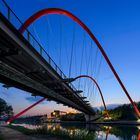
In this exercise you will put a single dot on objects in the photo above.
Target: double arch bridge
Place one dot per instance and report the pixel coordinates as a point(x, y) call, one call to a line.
point(25, 67)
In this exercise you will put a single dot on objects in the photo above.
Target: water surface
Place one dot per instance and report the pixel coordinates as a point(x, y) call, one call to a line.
point(91, 131)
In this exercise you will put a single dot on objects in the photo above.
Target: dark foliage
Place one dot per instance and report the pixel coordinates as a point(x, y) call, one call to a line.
point(73, 117)
point(5, 109)
point(124, 112)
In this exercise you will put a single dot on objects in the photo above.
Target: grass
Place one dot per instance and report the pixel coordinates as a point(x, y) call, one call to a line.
point(22, 129)
point(66, 135)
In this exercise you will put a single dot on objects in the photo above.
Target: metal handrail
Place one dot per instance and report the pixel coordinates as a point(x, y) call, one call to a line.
point(29, 37)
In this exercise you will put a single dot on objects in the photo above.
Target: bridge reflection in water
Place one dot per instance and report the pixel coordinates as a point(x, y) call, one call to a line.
point(88, 131)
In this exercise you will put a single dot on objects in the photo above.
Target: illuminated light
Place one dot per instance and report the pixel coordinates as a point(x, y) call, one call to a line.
point(138, 120)
point(54, 113)
point(138, 127)
point(7, 122)
point(106, 127)
point(75, 111)
point(107, 118)
point(54, 128)
point(99, 136)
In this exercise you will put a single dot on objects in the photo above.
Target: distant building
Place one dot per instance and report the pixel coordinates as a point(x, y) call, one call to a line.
point(57, 113)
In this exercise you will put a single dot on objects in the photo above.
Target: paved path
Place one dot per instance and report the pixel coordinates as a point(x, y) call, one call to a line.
point(10, 134)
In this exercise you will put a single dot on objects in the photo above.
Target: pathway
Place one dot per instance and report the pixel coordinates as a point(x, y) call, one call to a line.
point(10, 134)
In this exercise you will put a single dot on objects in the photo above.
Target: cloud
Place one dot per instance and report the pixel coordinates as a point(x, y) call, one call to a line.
point(34, 99)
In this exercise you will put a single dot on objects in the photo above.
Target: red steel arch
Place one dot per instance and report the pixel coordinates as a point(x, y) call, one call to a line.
point(48, 11)
point(25, 110)
point(99, 89)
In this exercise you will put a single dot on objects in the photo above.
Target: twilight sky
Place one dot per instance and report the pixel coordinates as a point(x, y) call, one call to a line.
point(116, 24)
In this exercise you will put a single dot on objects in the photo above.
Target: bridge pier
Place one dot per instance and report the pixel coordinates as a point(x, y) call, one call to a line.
point(90, 118)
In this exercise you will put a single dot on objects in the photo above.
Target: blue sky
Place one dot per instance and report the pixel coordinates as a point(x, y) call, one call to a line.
point(116, 24)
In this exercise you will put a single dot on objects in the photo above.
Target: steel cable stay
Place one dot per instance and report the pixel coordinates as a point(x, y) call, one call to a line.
point(71, 54)
point(87, 62)
point(66, 52)
point(75, 55)
point(81, 64)
point(89, 59)
point(67, 64)
point(97, 76)
point(94, 73)
point(93, 95)
point(99, 69)
point(94, 69)
point(85, 58)
point(48, 35)
point(88, 68)
point(90, 62)
point(49, 25)
point(36, 33)
point(60, 46)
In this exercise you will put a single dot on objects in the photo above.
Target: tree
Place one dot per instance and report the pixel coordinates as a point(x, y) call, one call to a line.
point(73, 117)
point(123, 112)
point(5, 109)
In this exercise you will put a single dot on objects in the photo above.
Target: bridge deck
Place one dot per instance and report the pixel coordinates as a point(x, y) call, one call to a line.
point(23, 67)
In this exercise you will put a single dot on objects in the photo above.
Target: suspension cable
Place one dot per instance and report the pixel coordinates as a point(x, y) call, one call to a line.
point(60, 50)
point(36, 34)
point(73, 40)
point(81, 60)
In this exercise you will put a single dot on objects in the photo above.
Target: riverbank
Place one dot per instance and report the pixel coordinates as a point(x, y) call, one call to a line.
point(42, 133)
point(55, 131)
point(103, 122)
point(12, 134)
point(133, 123)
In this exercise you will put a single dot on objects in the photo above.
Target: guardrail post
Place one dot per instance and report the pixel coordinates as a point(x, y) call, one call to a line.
point(28, 36)
point(8, 13)
point(49, 60)
point(56, 68)
point(41, 51)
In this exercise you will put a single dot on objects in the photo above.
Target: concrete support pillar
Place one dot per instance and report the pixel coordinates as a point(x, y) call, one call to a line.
point(90, 118)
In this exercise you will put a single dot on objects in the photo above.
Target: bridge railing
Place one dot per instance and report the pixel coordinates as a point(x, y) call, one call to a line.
point(16, 22)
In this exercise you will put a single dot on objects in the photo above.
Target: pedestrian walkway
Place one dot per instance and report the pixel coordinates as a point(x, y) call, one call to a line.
point(10, 134)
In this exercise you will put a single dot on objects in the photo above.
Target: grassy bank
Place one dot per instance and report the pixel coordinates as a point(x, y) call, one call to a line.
point(59, 134)
point(22, 129)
